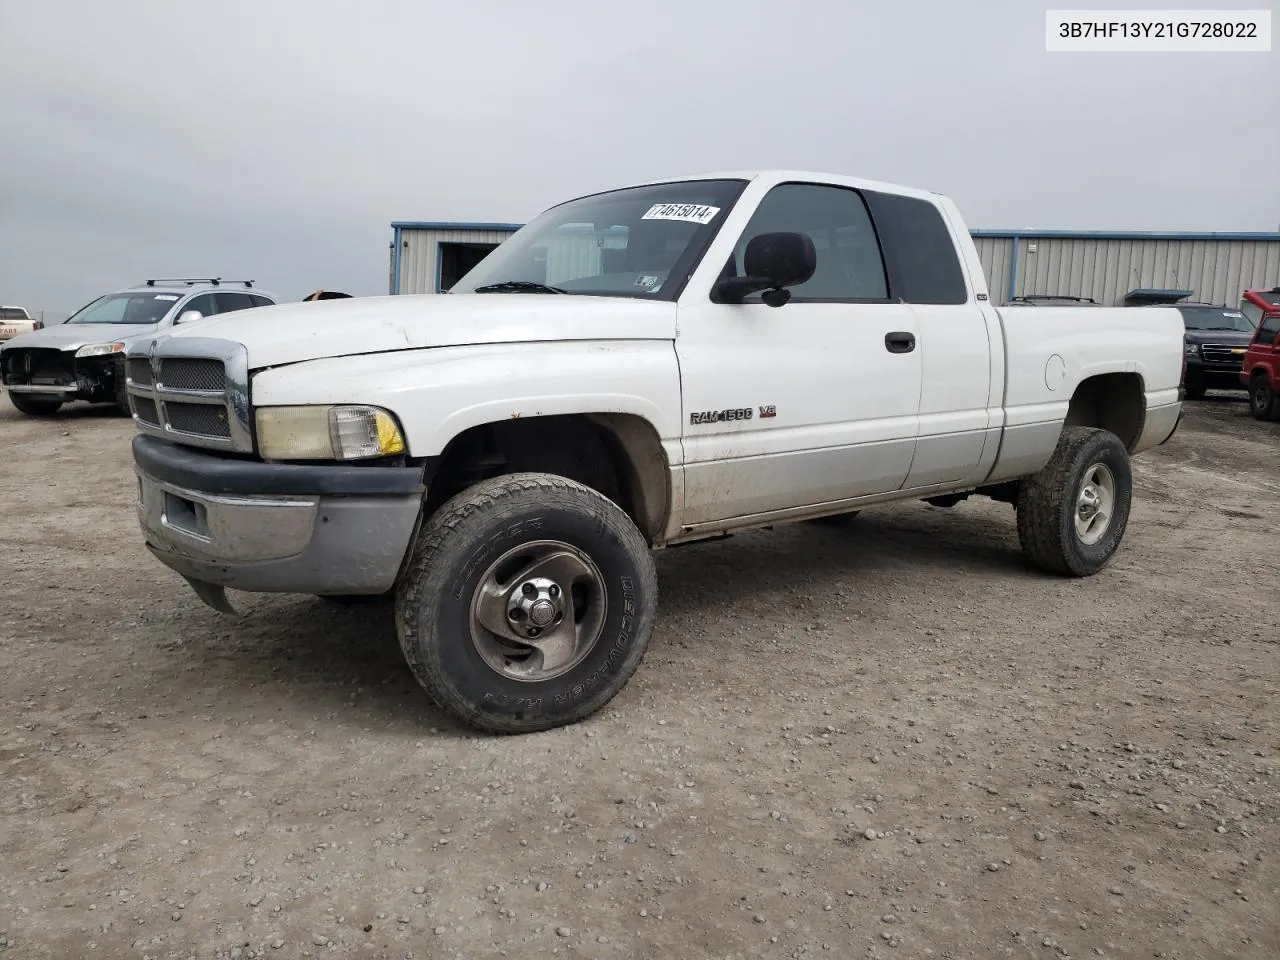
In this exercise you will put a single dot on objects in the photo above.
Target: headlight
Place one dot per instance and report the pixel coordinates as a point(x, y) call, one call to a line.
point(99, 349)
point(1192, 349)
point(327, 433)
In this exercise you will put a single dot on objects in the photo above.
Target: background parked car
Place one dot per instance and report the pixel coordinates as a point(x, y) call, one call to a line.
point(15, 321)
point(1261, 369)
point(1216, 339)
point(83, 359)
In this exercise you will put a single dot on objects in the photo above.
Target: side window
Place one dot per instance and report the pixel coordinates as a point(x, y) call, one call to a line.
point(231, 302)
point(261, 301)
point(1270, 329)
point(204, 303)
point(849, 265)
point(923, 265)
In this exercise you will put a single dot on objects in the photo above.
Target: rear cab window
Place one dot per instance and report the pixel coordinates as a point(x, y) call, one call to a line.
point(922, 261)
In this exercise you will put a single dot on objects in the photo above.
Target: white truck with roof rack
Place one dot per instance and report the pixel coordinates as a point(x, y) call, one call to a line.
point(83, 359)
point(745, 350)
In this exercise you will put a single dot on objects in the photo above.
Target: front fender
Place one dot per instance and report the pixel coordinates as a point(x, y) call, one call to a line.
point(437, 393)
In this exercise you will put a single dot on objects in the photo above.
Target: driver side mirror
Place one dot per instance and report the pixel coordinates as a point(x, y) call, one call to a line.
point(189, 316)
point(771, 263)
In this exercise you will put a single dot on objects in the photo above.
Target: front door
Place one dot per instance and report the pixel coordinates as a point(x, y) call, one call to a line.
point(811, 402)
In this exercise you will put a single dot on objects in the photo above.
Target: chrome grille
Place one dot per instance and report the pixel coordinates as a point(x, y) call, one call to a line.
point(145, 410)
point(191, 390)
point(183, 373)
point(198, 418)
point(140, 372)
point(1222, 353)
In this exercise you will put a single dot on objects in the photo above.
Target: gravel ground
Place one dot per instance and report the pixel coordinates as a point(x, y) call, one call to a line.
point(891, 740)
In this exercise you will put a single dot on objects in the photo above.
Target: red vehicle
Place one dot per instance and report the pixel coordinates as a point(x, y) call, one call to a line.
point(1261, 369)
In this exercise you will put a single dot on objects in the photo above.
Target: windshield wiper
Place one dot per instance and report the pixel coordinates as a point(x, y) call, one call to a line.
point(517, 286)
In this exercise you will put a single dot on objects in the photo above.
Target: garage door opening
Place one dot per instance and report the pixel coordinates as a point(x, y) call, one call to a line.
point(456, 259)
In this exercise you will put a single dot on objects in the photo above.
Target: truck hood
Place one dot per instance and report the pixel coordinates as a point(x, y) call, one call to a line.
point(73, 336)
point(294, 332)
point(1230, 338)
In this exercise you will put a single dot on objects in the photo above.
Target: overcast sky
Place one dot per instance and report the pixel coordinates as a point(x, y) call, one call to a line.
point(278, 140)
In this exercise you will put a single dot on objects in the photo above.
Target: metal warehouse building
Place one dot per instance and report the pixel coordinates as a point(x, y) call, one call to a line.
point(1104, 266)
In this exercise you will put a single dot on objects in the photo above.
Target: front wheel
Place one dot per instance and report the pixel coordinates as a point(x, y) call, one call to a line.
point(1194, 392)
point(35, 405)
point(527, 604)
point(1264, 403)
point(1072, 515)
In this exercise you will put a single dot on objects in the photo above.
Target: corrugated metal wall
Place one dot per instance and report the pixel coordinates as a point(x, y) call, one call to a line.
point(994, 252)
point(418, 254)
point(1215, 270)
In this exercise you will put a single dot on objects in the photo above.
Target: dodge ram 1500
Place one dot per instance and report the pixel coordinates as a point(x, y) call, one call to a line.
point(633, 370)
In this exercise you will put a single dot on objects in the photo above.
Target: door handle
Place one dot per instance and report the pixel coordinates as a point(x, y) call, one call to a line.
point(900, 342)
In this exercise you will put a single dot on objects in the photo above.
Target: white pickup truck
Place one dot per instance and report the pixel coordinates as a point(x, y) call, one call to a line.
point(632, 370)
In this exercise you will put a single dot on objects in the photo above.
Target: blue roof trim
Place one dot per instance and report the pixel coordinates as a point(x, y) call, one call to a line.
point(446, 225)
point(1124, 235)
point(1003, 234)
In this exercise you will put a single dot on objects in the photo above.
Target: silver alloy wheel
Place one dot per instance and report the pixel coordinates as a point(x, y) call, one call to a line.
point(1095, 504)
point(538, 611)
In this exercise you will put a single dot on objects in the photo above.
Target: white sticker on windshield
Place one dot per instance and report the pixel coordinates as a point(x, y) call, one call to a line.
point(684, 212)
point(167, 296)
point(1232, 313)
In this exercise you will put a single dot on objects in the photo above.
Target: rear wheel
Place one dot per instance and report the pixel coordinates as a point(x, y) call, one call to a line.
point(34, 404)
point(528, 603)
point(1264, 403)
point(1072, 515)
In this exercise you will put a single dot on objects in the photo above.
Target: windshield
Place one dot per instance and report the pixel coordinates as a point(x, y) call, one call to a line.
point(1216, 318)
point(640, 242)
point(127, 308)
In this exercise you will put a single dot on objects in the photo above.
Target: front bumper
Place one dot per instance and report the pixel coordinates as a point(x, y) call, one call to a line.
point(51, 372)
point(1213, 376)
point(274, 528)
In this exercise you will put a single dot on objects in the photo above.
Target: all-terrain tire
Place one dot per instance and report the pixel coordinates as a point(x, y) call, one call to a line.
point(1264, 403)
point(1049, 503)
point(34, 405)
point(456, 550)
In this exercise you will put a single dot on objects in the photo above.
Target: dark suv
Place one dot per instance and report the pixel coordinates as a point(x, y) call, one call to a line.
point(1216, 339)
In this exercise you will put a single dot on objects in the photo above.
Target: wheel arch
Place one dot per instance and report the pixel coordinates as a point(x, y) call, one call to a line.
point(619, 455)
point(1116, 402)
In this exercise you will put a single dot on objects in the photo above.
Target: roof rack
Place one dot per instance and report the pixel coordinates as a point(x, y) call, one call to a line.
point(1032, 297)
point(192, 281)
